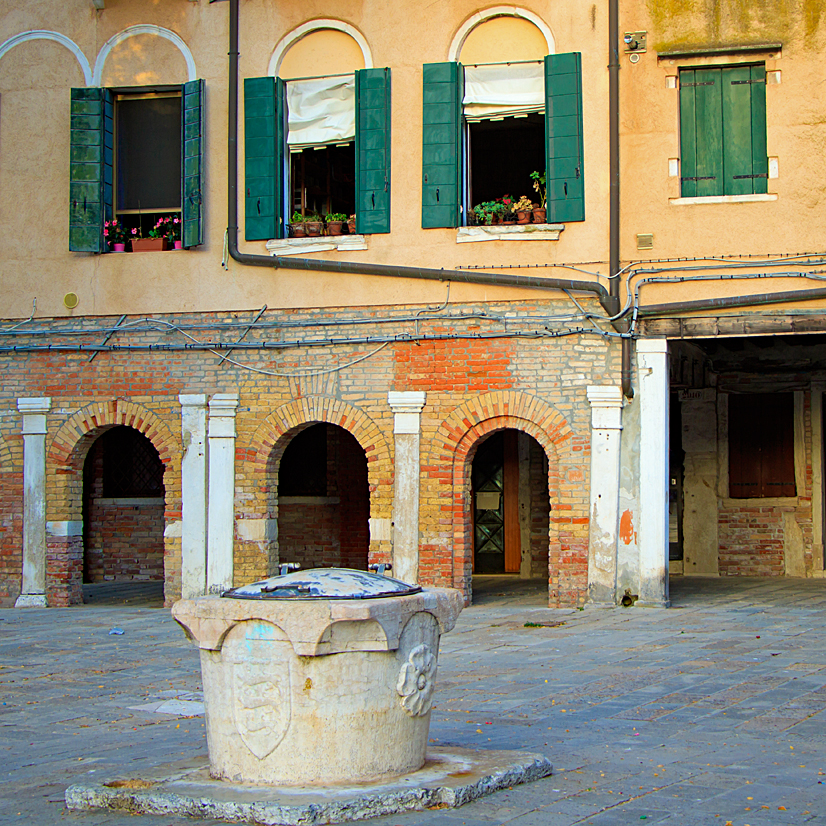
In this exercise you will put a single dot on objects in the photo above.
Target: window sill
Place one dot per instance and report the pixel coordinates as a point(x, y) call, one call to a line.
point(323, 243)
point(768, 502)
point(510, 232)
point(722, 199)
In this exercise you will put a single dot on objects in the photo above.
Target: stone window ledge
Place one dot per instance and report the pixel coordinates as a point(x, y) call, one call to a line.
point(722, 199)
point(756, 502)
point(510, 232)
point(322, 243)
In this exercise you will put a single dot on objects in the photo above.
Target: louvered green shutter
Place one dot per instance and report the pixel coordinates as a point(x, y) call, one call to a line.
point(90, 169)
point(441, 144)
point(265, 135)
point(192, 166)
point(564, 170)
point(701, 133)
point(745, 161)
point(373, 150)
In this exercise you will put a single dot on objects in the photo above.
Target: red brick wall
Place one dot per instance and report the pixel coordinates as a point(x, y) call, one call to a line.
point(540, 509)
point(11, 535)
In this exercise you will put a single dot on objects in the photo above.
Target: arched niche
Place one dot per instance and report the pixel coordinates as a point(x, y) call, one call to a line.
point(502, 34)
point(144, 60)
point(320, 48)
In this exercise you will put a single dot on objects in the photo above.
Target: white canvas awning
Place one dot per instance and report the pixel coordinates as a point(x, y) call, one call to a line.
point(321, 111)
point(503, 90)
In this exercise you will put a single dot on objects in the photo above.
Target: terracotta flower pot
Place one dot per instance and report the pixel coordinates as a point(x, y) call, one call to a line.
point(149, 244)
point(539, 215)
point(335, 227)
point(297, 230)
point(313, 227)
point(523, 216)
point(351, 227)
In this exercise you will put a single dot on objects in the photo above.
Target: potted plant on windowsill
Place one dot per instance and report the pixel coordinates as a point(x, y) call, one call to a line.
point(523, 209)
point(170, 226)
point(506, 214)
point(115, 235)
point(156, 242)
point(335, 223)
point(351, 224)
point(313, 224)
point(297, 229)
point(539, 211)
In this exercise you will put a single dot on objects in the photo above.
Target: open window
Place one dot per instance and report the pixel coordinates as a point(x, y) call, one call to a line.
point(136, 154)
point(317, 146)
point(487, 127)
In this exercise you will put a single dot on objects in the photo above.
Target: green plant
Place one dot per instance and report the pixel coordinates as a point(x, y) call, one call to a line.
point(524, 204)
point(538, 179)
point(335, 216)
point(297, 218)
point(114, 232)
point(167, 226)
point(312, 218)
point(485, 211)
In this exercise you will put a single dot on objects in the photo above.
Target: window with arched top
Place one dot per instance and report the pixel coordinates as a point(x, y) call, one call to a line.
point(317, 139)
point(501, 121)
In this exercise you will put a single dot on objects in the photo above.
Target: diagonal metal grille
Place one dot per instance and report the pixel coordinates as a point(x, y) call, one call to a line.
point(131, 465)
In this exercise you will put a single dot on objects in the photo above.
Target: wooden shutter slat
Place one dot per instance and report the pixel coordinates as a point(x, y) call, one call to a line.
point(441, 144)
point(564, 154)
point(192, 149)
point(90, 168)
point(373, 116)
point(760, 158)
point(737, 131)
point(708, 108)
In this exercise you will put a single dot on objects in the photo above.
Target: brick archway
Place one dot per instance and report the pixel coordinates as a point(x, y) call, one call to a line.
point(448, 467)
point(6, 457)
point(260, 459)
point(64, 480)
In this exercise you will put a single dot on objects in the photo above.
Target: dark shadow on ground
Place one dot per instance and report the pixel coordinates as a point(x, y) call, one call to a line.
point(136, 594)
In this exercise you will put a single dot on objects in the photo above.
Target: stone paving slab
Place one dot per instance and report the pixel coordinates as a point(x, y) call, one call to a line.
point(738, 719)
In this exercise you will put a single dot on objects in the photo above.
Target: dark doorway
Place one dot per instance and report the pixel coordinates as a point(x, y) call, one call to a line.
point(324, 500)
point(511, 509)
point(123, 509)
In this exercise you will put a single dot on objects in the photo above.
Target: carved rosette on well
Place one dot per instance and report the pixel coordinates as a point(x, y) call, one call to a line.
point(416, 681)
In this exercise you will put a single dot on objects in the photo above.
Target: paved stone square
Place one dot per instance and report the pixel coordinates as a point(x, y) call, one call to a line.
point(711, 712)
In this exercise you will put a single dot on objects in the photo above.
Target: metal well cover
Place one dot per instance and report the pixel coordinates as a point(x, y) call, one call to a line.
point(324, 583)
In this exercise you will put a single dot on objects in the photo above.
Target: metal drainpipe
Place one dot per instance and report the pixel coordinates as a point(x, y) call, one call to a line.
point(608, 302)
point(614, 190)
point(726, 302)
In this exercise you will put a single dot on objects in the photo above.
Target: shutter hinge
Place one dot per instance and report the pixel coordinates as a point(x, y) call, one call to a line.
point(702, 83)
point(744, 82)
point(701, 178)
point(758, 175)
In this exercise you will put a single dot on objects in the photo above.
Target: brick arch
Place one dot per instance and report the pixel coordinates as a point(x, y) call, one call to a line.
point(66, 456)
point(260, 459)
point(449, 466)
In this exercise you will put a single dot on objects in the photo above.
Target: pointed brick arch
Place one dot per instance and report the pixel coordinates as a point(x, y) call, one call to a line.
point(448, 467)
point(259, 459)
point(64, 490)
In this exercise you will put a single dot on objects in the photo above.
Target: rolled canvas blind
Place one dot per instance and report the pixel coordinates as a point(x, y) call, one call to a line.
point(503, 90)
point(321, 111)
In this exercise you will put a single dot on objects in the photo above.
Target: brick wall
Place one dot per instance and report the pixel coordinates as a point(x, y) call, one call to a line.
point(474, 386)
point(540, 509)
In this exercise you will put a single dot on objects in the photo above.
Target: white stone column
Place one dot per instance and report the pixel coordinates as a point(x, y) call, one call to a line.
point(407, 409)
point(652, 533)
point(221, 492)
point(606, 426)
point(33, 590)
point(193, 495)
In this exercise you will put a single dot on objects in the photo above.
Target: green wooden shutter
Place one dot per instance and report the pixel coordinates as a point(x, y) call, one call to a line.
point(441, 145)
point(745, 161)
point(265, 136)
point(90, 169)
point(701, 132)
point(192, 166)
point(373, 150)
point(564, 170)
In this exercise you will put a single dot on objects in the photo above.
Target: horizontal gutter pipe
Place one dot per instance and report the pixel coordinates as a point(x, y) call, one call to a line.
point(728, 302)
point(609, 303)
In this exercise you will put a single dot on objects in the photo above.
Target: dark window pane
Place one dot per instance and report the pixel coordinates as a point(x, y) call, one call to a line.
point(131, 464)
point(149, 153)
point(303, 469)
point(324, 180)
